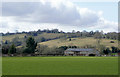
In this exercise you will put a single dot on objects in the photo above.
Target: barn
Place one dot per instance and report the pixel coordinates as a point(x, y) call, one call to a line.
point(81, 52)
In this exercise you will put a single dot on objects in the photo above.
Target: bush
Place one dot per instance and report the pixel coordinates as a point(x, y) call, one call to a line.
point(27, 50)
point(91, 54)
point(112, 42)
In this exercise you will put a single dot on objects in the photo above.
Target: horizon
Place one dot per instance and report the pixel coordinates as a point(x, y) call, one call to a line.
point(16, 31)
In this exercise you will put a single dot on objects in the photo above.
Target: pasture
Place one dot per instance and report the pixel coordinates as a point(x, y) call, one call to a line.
point(79, 42)
point(65, 65)
point(45, 35)
point(11, 37)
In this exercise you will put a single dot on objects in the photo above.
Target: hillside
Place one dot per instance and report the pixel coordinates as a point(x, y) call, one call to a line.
point(45, 35)
point(49, 43)
point(11, 37)
point(62, 41)
point(79, 42)
point(58, 39)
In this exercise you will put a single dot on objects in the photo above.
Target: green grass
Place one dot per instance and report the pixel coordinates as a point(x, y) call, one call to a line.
point(60, 65)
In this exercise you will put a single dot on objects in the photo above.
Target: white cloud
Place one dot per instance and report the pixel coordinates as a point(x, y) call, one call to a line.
point(55, 14)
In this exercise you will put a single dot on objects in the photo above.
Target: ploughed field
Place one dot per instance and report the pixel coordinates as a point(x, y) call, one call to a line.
point(60, 65)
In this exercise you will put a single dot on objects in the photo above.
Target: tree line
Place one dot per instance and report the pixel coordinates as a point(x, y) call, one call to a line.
point(84, 33)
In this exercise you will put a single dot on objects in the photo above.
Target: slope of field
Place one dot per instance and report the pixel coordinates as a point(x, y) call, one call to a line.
point(79, 42)
point(62, 41)
point(45, 35)
point(10, 37)
point(60, 65)
point(50, 35)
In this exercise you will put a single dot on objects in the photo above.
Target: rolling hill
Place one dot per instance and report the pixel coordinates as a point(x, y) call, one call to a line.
point(62, 41)
point(79, 42)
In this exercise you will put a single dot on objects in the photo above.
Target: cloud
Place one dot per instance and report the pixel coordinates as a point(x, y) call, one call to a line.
point(62, 12)
point(58, 14)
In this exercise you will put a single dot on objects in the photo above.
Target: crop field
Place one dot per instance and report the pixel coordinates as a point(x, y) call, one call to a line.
point(60, 65)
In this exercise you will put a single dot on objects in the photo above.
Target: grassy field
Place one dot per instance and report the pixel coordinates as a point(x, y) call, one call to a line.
point(11, 37)
point(79, 42)
point(45, 35)
point(60, 65)
point(50, 35)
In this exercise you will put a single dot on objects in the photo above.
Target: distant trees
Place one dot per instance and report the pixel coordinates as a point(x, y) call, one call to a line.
point(45, 50)
point(43, 39)
point(41, 49)
point(112, 35)
point(12, 49)
point(30, 46)
point(6, 42)
point(84, 33)
point(112, 42)
point(98, 35)
point(114, 49)
point(63, 47)
point(69, 39)
point(9, 49)
point(106, 51)
point(5, 49)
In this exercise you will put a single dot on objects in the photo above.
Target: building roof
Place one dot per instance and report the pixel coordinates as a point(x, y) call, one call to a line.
point(80, 49)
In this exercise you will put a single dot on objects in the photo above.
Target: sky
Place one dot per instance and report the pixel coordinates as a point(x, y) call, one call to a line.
point(64, 15)
point(109, 8)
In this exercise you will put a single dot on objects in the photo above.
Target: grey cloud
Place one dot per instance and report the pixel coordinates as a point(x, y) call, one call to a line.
point(37, 12)
point(18, 8)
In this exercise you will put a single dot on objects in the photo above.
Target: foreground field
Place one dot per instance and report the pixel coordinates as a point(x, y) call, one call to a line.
point(60, 65)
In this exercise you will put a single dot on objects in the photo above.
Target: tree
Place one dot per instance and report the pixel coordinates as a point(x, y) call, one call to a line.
point(91, 33)
point(12, 49)
point(6, 42)
point(98, 35)
point(41, 48)
point(106, 51)
point(63, 47)
point(5, 49)
point(73, 31)
point(30, 45)
point(43, 39)
point(100, 47)
point(114, 49)
point(69, 39)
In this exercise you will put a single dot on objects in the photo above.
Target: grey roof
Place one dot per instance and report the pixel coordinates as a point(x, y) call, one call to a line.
point(80, 49)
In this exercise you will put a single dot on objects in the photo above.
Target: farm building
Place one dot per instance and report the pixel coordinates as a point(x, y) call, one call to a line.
point(81, 52)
